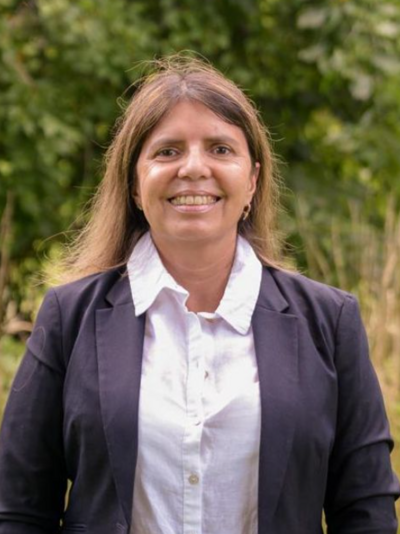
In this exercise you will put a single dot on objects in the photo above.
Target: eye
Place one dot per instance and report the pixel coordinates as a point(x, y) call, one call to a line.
point(222, 150)
point(167, 152)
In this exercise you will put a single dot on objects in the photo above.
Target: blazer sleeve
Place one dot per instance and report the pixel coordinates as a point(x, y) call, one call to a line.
point(32, 466)
point(361, 487)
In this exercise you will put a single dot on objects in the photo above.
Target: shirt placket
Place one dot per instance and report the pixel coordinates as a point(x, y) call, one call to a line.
point(192, 513)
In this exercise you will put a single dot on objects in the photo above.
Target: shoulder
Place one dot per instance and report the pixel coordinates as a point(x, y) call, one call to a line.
point(65, 311)
point(326, 316)
point(76, 302)
point(321, 307)
point(299, 288)
point(89, 290)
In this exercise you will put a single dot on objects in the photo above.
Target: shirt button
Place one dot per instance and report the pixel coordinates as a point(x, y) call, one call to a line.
point(193, 479)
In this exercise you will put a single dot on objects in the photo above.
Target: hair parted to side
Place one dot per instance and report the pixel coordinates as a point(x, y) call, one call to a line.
point(115, 223)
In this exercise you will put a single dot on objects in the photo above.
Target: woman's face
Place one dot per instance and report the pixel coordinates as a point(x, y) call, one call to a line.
point(194, 176)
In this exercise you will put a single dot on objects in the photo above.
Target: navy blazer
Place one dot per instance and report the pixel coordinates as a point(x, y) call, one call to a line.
point(73, 414)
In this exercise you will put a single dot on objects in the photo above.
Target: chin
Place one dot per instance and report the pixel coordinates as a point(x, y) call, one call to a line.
point(198, 235)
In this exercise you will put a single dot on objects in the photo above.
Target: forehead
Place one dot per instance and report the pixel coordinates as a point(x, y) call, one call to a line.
point(194, 119)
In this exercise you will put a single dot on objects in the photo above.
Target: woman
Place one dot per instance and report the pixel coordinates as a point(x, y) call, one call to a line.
point(185, 382)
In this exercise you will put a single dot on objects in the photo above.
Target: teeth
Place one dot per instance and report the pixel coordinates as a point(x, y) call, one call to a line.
point(191, 200)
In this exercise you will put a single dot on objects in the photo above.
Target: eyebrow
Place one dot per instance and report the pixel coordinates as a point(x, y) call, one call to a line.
point(164, 141)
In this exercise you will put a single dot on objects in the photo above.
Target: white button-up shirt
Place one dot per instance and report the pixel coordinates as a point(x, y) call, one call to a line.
point(199, 409)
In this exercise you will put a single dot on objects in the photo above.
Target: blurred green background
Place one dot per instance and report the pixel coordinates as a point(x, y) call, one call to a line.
point(325, 76)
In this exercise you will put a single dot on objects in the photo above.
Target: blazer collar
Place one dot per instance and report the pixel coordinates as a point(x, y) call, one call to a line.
point(120, 292)
point(271, 297)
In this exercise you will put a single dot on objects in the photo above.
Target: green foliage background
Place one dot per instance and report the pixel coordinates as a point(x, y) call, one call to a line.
point(324, 74)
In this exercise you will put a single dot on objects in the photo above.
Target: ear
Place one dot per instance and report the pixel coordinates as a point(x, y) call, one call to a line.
point(138, 204)
point(255, 171)
point(136, 195)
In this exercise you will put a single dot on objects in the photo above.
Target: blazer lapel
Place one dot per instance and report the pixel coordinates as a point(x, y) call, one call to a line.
point(275, 338)
point(119, 339)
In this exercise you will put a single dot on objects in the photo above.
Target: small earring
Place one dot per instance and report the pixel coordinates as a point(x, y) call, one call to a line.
point(246, 212)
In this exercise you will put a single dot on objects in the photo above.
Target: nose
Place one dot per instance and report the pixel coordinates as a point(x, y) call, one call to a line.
point(194, 165)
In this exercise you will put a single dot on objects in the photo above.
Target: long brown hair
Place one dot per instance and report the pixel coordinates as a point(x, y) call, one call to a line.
point(115, 223)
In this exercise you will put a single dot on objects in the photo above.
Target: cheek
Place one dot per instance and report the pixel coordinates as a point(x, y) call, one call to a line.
point(151, 194)
point(152, 180)
point(144, 176)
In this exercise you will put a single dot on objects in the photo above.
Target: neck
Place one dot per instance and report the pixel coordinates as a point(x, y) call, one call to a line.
point(203, 269)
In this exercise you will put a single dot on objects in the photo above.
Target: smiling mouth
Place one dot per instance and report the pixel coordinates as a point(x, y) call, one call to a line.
point(194, 200)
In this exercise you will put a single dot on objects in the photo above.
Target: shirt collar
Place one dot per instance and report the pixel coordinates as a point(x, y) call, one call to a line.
point(148, 277)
